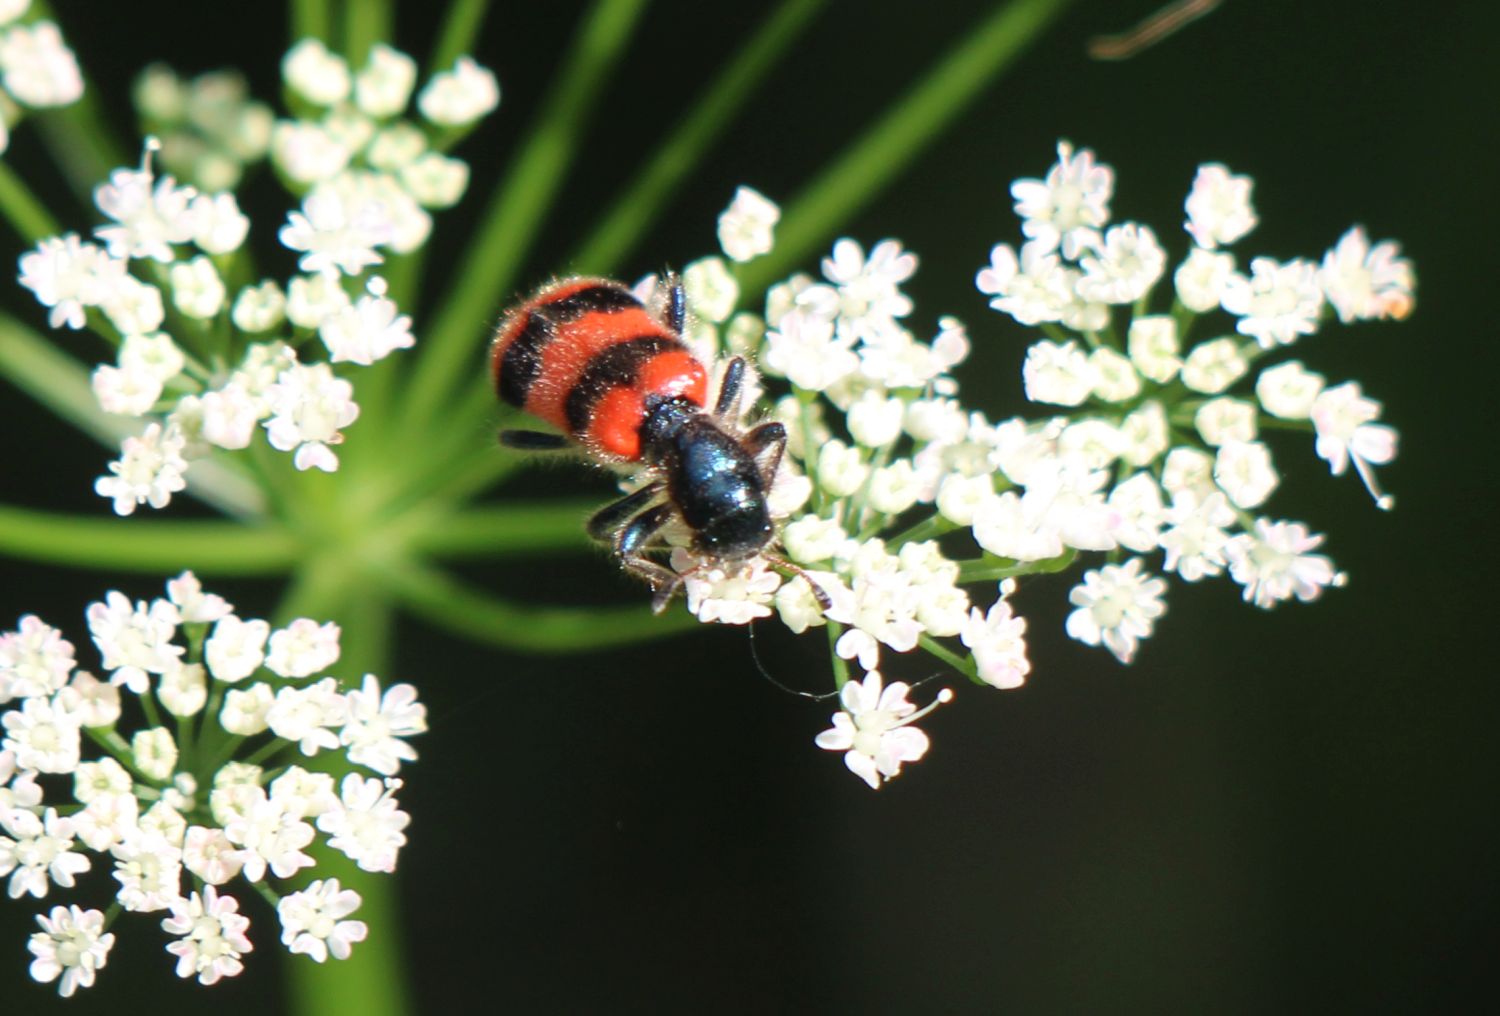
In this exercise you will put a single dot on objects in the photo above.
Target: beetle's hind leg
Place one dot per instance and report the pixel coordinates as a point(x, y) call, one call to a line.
point(604, 522)
point(533, 440)
point(631, 543)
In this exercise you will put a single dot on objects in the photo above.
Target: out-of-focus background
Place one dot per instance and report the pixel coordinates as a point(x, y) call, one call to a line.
point(1267, 812)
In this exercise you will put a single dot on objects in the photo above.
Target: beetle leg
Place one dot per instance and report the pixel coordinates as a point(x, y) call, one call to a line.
point(604, 522)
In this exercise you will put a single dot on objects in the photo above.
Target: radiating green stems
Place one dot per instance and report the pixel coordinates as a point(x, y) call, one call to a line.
point(155, 546)
point(508, 225)
point(869, 164)
point(366, 22)
point(26, 215)
point(459, 31)
point(627, 219)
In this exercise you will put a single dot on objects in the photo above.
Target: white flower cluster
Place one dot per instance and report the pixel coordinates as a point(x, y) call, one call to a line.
point(180, 807)
point(207, 362)
point(896, 496)
point(37, 69)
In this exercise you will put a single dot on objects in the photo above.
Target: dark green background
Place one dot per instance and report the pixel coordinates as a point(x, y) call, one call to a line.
point(1266, 813)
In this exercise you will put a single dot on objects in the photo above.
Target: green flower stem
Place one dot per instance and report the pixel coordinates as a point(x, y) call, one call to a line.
point(515, 528)
point(1267, 422)
point(622, 226)
point(444, 601)
point(873, 161)
point(366, 22)
point(61, 384)
point(515, 212)
point(459, 30)
point(110, 740)
point(992, 568)
point(146, 545)
point(963, 664)
point(21, 208)
point(310, 19)
point(840, 665)
point(79, 137)
point(928, 529)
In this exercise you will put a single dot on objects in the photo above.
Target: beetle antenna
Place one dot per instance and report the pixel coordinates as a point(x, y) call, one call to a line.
point(755, 655)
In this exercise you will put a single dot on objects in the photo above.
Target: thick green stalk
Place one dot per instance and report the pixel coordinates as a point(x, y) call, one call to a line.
point(873, 161)
point(366, 22)
point(310, 19)
point(21, 208)
point(622, 226)
point(509, 224)
point(444, 601)
point(458, 33)
point(60, 383)
point(508, 530)
point(145, 545)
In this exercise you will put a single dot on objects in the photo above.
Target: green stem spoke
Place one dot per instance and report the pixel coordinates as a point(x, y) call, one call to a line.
point(963, 664)
point(517, 209)
point(512, 529)
point(366, 22)
point(22, 209)
point(459, 30)
point(992, 568)
point(873, 161)
point(145, 545)
point(622, 226)
point(311, 19)
point(448, 603)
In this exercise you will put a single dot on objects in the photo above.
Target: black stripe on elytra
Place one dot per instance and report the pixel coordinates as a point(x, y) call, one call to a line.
point(613, 367)
point(522, 361)
point(588, 301)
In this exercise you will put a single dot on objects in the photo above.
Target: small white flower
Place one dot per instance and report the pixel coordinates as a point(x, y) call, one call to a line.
point(384, 86)
point(92, 702)
point(1118, 606)
point(209, 854)
point(869, 295)
point(107, 820)
point(1058, 373)
point(1201, 277)
point(1223, 420)
point(34, 660)
point(377, 724)
point(151, 214)
point(245, 711)
point(746, 227)
point(369, 330)
point(1068, 208)
point(309, 407)
point(220, 227)
point(810, 539)
point(236, 648)
point(1188, 469)
point(212, 936)
point(1346, 433)
point(193, 604)
point(313, 921)
point(1138, 508)
point(134, 640)
point(435, 180)
point(133, 306)
point(874, 420)
point(259, 308)
point(197, 290)
point(68, 275)
point(1144, 435)
point(148, 471)
point(1244, 471)
point(319, 76)
point(1277, 303)
point(1032, 288)
point(312, 299)
point(1218, 207)
point(36, 852)
point(874, 728)
point(336, 234)
point(734, 595)
point(997, 639)
point(1274, 564)
point(94, 779)
point(43, 735)
point(894, 488)
point(805, 349)
point(1213, 366)
point(270, 833)
point(310, 716)
point(841, 471)
point(959, 496)
point(149, 870)
point(127, 391)
point(306, 152)
point(1094, 443)
point(1124, 268)
point(1196, 535)
point(39, 68)
point(154, 753)
point(368, 825)
point(72, 946)
point(303, 648)
point(460, 96)
point(1115, 377)
point(183, 690)
point(1152, 343)
point(711, 289)
point(1363, 283)
point(1288, 390)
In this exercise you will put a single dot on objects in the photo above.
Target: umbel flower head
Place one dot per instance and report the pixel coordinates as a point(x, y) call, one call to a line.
point(177, 771)
point(206, 363)
point(1154, 383)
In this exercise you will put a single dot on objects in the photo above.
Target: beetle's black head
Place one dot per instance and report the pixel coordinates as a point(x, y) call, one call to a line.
point(739, 533)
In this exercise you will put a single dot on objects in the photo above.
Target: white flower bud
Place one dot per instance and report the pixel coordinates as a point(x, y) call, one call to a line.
point(1224, 420)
